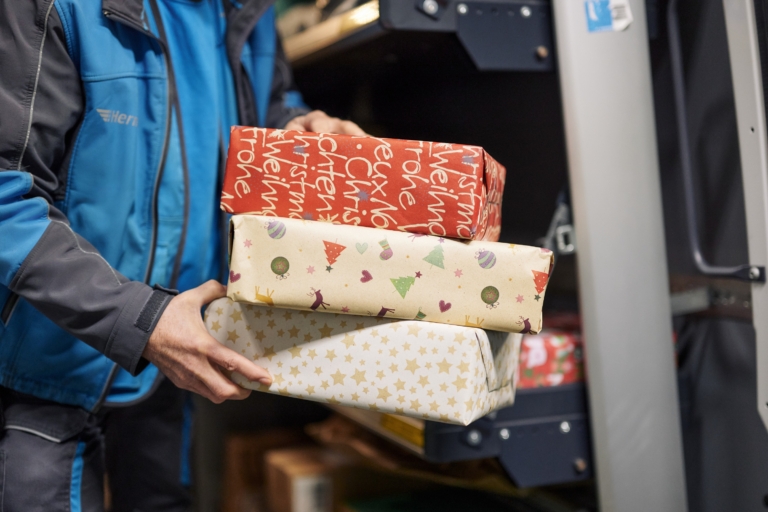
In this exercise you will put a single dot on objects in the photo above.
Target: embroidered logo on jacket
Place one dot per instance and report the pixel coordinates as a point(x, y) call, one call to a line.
point(115, 116)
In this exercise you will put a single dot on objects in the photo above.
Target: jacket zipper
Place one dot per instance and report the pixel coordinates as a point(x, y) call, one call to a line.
point(166, 140)
point(182, 144)
point(158, 176)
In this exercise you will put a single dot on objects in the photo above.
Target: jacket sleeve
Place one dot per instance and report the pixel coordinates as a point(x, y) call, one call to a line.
point(41, 258)
point(285, 101)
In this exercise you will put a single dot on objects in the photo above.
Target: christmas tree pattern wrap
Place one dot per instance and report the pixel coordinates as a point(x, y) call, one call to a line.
point(435, 256)
point(403, 284)
point(450, 190)
point(445, 373)
point(332, 251)
point(480, 284)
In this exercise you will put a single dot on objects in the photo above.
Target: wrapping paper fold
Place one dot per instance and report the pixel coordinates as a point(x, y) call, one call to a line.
point(440, 372)
point(449, 190)
point(363, 271)
point(550, 358)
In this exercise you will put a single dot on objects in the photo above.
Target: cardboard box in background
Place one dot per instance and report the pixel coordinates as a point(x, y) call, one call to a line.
point(314, 479)
point(449, 190)
point(371, 450)
point(404, 482)
point(243, 486)
point(299, 480)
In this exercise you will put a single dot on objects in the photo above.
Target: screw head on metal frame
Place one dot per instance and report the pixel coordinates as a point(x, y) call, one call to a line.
point(462, 9)
point(580, 465)
point(754, 273)
point(565, 427)
point(504, 434)
point(430, 6)
point(525, 11)
point(474, 437)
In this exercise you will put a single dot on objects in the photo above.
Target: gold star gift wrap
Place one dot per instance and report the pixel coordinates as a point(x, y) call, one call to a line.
point(318, 266)
point(445, 373)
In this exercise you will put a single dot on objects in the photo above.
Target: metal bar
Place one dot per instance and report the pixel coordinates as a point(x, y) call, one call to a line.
point(745, 272)
point(605, 80)
point(334, 30)
point(750, 116)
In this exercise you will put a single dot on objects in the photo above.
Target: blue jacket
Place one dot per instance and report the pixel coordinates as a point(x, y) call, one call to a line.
point(91, 149)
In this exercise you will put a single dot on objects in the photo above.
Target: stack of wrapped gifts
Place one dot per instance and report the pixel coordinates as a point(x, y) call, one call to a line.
point(365, 272)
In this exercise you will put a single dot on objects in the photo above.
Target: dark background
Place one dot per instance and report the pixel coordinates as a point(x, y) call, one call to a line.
point(423, 86)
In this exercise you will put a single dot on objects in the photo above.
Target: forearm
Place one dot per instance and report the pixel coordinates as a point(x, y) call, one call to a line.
point(67, 280)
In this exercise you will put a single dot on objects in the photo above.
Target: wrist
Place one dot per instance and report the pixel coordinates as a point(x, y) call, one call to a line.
point(150, 317)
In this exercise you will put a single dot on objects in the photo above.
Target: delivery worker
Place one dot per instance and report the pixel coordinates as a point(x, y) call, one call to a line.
point(114, 119)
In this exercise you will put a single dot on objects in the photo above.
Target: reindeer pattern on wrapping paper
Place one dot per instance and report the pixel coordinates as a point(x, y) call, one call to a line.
point(526, 323)
point(267, 299)
point(383, 312)
point(318, 300)
point(477, 323)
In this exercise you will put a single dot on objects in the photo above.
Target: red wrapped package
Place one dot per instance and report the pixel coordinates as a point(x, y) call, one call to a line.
point(448, 190)
point(550, 358)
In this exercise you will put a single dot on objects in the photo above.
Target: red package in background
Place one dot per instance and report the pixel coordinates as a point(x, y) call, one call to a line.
point(550, 358)
point(449, 190)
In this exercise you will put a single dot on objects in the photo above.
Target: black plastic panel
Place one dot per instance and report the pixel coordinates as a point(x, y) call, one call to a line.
point(508, 36)
point(543, 439)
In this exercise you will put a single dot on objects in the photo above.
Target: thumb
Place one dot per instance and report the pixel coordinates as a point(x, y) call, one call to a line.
point(208, 292)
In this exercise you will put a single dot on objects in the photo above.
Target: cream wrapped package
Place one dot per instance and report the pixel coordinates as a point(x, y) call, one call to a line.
point(446, 373)
point(317, 266)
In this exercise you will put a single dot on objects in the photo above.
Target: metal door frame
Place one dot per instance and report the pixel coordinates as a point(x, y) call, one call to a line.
point(744, 52)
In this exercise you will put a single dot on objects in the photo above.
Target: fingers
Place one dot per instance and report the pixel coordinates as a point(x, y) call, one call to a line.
point(231, 361)
point(296, 123)
point(183, 350)
point(351, 128)
point(218, 388)
point(208, 292)
point(315, 115)
point(318, 121)
point(322, 126)
point(207, 382)
point(215, 387)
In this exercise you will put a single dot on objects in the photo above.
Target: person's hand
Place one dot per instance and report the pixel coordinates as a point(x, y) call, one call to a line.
point(319, 122)
point(182, 349)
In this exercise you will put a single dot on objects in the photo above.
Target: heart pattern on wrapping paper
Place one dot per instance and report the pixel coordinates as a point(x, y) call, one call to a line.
point(361, 248)
point(233, 277)
point(406, 283)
